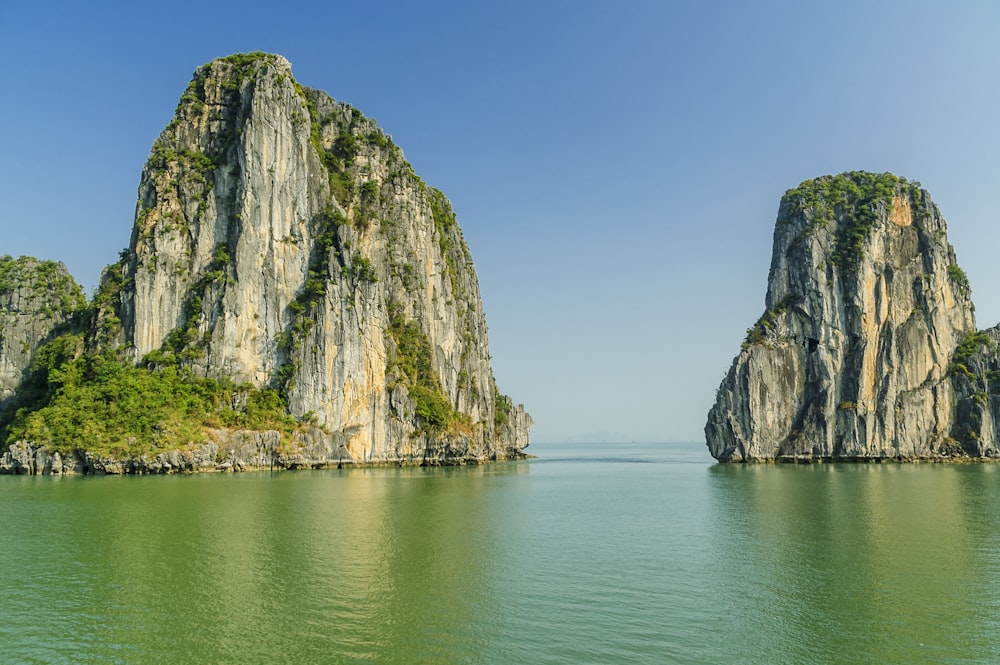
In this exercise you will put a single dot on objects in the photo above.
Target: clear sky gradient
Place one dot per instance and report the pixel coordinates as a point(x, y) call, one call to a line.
point(616, 167)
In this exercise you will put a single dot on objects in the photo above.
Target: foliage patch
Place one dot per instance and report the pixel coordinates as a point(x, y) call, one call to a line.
point(48, 283)
point(857, 198)
point(94, 401)
point(413, 362)
point(757, 334)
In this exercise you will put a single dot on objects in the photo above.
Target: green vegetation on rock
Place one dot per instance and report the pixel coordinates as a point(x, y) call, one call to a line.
point(856, 199)
point(79, 393)
point(503, 405)
point(413, 363)
point(52, 288)
point(447, 232)
point(757, 334)
point(340, 157)
point(93, 401)
point(958, 276)
point(183, 343)
point(973, 342)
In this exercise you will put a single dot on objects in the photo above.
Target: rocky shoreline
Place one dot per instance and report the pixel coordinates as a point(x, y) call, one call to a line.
point(235, 452)
point(957, 458)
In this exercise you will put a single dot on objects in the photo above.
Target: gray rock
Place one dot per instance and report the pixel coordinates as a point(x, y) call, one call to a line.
point(36, 298)
point(975, 374)
point(865, 306)
point(18, 459)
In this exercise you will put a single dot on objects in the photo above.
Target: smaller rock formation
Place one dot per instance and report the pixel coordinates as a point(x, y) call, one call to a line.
point(36, 299)
point(853, 357)
point(975, 374)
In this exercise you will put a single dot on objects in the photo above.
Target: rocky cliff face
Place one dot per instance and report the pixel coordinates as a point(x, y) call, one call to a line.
point(281, 239)
point(293, 295)
point(853, 357)
point(36, 298)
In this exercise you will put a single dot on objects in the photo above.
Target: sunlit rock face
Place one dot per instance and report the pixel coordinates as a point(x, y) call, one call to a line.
point(281, 239)
point(853, 357)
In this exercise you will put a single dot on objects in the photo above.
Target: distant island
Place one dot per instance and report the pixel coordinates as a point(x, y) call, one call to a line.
point(868, 349)
point(293, 295)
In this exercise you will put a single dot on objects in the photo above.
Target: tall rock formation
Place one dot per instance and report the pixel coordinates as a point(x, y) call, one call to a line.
point(281, 239)
point(852, 357)
point(282, 243)
point(36, 299)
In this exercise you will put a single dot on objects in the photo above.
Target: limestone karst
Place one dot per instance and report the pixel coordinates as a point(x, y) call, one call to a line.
point(283, 244)
point(868, 346)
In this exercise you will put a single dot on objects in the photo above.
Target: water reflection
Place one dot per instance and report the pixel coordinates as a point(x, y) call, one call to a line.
point(562, 560)
point(874, 563)
point(332, 566)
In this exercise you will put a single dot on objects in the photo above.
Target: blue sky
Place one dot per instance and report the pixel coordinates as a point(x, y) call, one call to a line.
point(616, 167)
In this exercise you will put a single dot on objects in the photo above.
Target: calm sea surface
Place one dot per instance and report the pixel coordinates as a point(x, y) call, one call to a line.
point(589, 554)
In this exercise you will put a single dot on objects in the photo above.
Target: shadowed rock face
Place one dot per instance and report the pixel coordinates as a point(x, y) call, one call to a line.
point(865, 309)
point(281, 239)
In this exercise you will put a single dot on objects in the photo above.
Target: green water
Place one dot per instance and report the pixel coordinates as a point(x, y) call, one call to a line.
point(590, 554)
